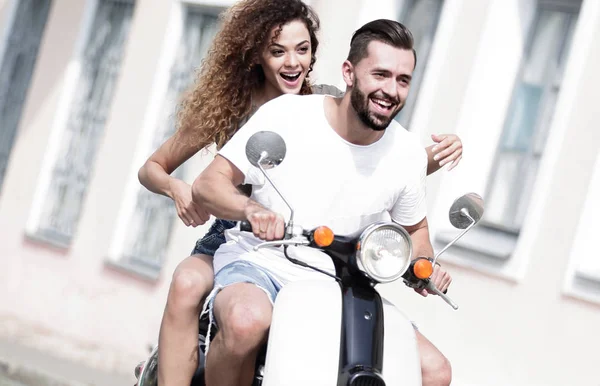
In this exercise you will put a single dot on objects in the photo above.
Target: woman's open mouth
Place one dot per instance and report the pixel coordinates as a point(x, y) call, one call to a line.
point(291, 78)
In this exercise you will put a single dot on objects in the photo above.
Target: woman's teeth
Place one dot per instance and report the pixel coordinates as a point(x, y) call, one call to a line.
point(290, 77)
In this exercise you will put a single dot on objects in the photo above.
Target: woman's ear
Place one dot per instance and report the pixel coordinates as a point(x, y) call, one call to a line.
point(252, 61)
point(256, 56)
point(348, 73)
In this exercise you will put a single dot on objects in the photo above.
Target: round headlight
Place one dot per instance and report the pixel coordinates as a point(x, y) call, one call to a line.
point(384, 251)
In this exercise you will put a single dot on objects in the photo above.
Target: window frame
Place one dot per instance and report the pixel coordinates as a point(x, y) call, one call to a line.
point(10, 20)
point(506, 257)
point(578, 283)
point(405, 117)
point(73, 73)
point(116, 254)
point(566, 6)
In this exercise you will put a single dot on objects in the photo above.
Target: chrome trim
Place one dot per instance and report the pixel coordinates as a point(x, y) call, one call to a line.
point(367, 233)
point(148, 365)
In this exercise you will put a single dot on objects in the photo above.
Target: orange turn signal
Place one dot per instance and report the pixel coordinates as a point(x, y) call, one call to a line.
point(422, 269)
point(323, 236)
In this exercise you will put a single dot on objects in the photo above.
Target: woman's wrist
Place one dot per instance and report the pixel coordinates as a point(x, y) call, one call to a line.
point(170, 188)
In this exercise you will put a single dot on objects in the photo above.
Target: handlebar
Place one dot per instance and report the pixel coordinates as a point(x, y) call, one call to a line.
point(245, 226)
point(430, 286)
point(409, 277)
point(301, 238)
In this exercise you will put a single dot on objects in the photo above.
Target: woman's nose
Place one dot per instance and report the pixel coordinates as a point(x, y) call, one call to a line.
point(291, 60)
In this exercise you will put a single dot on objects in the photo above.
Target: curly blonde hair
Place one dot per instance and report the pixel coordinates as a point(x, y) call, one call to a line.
point(221, 98)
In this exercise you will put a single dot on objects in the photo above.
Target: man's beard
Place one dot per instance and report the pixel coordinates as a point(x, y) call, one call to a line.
point(360, 103)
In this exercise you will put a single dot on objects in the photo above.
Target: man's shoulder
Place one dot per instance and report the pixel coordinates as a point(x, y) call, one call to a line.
point(287, 104)
point(294, 99)
point(327, 89)
point(403, 137)
point(405, 146)
point(291, 116)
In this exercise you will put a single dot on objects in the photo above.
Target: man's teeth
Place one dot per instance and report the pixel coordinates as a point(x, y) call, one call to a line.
point(382, 103)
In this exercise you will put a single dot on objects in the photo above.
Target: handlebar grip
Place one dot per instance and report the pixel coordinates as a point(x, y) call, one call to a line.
point(245, 226)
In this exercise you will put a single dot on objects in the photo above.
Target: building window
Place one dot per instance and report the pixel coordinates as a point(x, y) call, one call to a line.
point(100, 65)
point(153, 218)
point(422, 18)
point(584, 278)
point(16, 68)
point(530, 115)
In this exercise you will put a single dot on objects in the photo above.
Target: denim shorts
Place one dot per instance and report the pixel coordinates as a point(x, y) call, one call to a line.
point(239, 271)
point(213, 239)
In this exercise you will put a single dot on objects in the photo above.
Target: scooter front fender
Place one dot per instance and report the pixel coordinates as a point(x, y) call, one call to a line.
point(401, 363)
point(305, 339)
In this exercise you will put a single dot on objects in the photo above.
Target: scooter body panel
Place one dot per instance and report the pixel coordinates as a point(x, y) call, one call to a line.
point(401, 363)
point(305, 339)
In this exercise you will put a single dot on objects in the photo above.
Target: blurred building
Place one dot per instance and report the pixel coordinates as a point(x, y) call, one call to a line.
point(87, 92)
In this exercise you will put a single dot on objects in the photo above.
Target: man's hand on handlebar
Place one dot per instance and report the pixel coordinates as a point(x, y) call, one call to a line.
point(266, 225)
point(440, 278)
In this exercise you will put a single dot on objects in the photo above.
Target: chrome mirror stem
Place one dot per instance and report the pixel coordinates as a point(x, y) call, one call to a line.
point(289, 230)
point(461, 234)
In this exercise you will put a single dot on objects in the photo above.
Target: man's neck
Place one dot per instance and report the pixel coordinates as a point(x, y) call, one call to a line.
point(345, 121)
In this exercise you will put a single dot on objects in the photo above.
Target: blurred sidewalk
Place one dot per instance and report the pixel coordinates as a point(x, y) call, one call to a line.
point(24, 366)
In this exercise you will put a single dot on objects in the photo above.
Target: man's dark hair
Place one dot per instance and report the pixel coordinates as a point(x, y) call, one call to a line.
point(386, 31)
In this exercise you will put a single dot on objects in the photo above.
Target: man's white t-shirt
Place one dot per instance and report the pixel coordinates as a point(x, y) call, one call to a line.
point(327, 181)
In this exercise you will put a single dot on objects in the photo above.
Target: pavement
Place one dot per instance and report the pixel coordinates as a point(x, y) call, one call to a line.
point(25, 366)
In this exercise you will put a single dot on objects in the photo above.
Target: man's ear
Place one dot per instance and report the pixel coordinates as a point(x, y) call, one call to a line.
point(348, 73)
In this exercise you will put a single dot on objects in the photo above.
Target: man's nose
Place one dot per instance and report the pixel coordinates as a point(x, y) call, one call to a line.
point(391, 88)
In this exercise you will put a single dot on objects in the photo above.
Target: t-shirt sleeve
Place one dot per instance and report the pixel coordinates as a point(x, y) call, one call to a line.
point(411, 206)
point(235, 149)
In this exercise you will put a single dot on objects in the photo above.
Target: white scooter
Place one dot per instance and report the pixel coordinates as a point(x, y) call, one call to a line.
point(340, 332)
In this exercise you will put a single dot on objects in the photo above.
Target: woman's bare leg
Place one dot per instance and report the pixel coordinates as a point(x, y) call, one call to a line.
point(178, 339)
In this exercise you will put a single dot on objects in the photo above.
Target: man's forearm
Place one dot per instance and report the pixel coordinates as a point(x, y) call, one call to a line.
point(219, 196)
point(421, 243)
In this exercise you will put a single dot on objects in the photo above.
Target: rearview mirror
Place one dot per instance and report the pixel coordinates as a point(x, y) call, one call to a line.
point(265, 148)
point(466, 211)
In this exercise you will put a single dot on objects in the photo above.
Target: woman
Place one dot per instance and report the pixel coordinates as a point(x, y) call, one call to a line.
point(265, 48)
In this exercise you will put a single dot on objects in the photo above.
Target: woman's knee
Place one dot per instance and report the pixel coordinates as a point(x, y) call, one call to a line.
point(192, 280)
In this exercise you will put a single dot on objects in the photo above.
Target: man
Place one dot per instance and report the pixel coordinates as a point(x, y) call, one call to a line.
point(347, 165)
